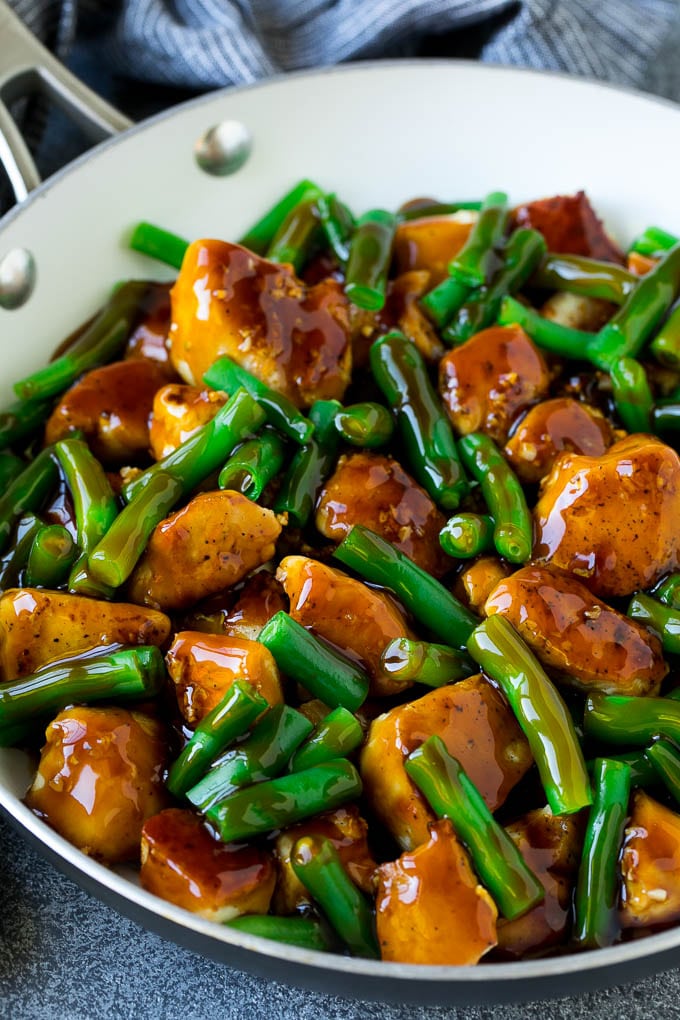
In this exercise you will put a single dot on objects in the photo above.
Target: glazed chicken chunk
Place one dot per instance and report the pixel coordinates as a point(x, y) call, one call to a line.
point(228, 301)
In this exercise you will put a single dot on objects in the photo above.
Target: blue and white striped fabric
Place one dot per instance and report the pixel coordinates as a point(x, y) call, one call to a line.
point(202, 44)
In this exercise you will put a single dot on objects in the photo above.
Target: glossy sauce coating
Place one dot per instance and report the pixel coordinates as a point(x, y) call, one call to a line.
point(111, 406)
point(477, 580)
point(650, 864)
point(347, 831)
point(204, 666)
point(553, 427)
point(355, 618)
point(430, 907)
point(429, 243)
point(477, 726)
point(38, 626)
point(149, 338)
point(183, 863)
point(374, 490)
point(611, 520)
point(551, 846)
point(487, 381)
point(295, 338)
point(178, 411)
point(589, 645)
point(208, 545)
point(100, 777)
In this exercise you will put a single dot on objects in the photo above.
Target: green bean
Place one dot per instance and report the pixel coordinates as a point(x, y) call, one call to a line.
point(369, 259)
point(116, 554)
point(94, 503)
point(635, 721)
point(418, 208)
point(477, 260)
point(637, 320)
point(452, 794)
point(292, 931)
point(10, 468)
point(522, 254)
point(225, 374)
point(232, 716)
point(263, 755)
point(642, 772)
point(260, 235)
point(401, 374)
point(50, 557)
point(22, 419)
point(324, 672)
point(550, 336)
point(596, 900)
point(666, 418)
point(654, 242)
point(663, 619)
point(589, 277)
point(297, 238)
point(446, 299)
point(15, 560)
point(336, 736)
point(337, 224)
point(310, 466)
point(317, 865)
point(665, 760)
point(408, 661)
point(254, 464)
point(367, 425)
point(668, 591)
point(540, 711)
point(379, 562)
point(124, 674)
point(101, 341)
point(158, 244)
point(503, 494)
point(467, 535)
point(632, 394)
point(278, 803)
point(666, 344)
point(207, 449)
point(27, 492)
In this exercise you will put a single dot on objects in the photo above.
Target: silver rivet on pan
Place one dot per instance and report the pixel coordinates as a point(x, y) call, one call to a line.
point(224, 148)
point(17, 277)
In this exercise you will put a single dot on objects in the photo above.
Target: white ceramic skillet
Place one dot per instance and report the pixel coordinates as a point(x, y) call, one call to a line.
point(377, 134)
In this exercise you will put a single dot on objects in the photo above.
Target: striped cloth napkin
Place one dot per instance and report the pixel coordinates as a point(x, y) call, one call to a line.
point(197, 45)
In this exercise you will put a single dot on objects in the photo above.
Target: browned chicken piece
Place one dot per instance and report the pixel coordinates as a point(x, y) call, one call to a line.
point(577, 311)
point(38, 626)
point(179, 411)
point(486, 382)
point(402, 311)
point(100, 777)
point(478, 579)
point(569, 225)
point(358, 620)
point(261, 598)
point(639, 264)
point(477, 726)
point(111, 406)
point(374, 490)
point(591, 646)
point(611, 520)
point(204, 666)
point(430, 908)
point(553, 427)
point(551, 846)
point(184, 864)
point(228, 301)
point(430, 243)
point(208, 545)
point(650, 865)
point(347, 831)
point(149, 339)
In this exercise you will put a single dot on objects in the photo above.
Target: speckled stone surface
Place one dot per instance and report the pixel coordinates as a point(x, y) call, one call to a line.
point(63, 954)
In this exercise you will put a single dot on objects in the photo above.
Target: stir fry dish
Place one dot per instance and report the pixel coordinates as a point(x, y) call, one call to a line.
point(340, 579)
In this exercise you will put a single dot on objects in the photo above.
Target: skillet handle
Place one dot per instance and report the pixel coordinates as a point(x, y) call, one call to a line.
point(26, 67)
